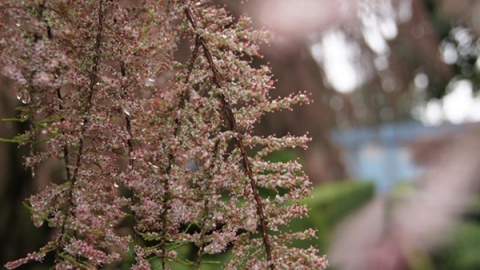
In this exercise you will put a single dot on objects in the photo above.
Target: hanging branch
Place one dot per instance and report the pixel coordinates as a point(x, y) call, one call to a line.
point(91, 87)
point(239, 140)
point(171, 123)
point(128, 119)
point(184, 97)
point(129, 142)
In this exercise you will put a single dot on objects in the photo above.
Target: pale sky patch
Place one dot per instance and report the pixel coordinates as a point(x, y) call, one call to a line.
point(337, 57)
point(458, 106)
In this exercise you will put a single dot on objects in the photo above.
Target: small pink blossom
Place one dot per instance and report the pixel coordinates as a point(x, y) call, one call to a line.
point(157, 152)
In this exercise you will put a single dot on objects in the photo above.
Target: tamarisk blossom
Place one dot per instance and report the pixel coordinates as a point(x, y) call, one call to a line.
point(158, 154)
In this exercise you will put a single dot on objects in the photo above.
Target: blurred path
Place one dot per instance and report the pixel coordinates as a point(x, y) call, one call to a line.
point(358, 235)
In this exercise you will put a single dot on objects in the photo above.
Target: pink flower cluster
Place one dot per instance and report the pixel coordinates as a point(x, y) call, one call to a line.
point(157, 149)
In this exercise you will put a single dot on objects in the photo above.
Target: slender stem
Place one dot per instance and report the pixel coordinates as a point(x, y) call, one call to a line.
point(129, 141)
point(37, 37)
point(239, 140)
point(206, 212)
point(184, 98)
point(206, 209)
point(165, 201)
point(66, 155)
point(91, 87)
point(128, 120)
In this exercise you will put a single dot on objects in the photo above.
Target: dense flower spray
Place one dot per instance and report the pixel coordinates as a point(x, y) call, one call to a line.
point(157, 154)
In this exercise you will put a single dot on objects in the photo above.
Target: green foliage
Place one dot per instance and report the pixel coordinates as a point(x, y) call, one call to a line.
point(462, 250)
point(335, 200)
point(329, 204)
point(475, 206)
point(284, 155)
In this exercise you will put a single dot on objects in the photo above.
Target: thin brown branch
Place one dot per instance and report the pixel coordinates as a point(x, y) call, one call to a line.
point(239, 140)
point(91, 87)
point(129, 141)
point(37, 37)
point(128, 120)
point(66, 155)
point(201, 249)
point(184, 98)
point(206, 209)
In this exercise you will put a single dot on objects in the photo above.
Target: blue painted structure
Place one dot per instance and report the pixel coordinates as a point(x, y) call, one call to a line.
point(382, 154)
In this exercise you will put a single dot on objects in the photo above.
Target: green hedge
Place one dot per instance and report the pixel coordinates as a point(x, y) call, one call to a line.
point(329, 204)
point(462, 251)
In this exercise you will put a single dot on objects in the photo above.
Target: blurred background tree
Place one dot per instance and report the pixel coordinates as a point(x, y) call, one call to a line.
point(365, 62)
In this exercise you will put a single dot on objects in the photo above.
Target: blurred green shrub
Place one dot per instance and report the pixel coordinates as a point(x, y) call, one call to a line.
point(329, 204)
point(462, 250)
point(283, 155)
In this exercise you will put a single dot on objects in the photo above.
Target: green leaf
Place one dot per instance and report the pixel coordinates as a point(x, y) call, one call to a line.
point(21, 120)
point(5, 140)
point(49, 120)
point(211, 262)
